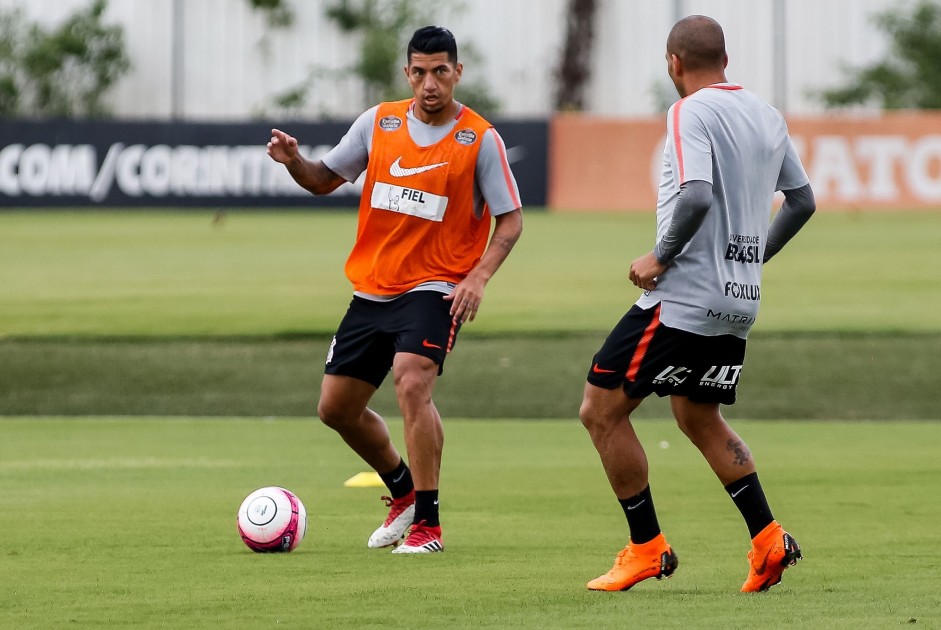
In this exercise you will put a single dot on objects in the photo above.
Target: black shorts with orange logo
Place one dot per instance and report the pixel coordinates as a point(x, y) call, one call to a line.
point(371, 333)
point(645, 357)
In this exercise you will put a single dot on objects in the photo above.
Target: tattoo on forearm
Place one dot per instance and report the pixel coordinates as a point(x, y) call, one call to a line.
point(742, 454)
point(503, 242)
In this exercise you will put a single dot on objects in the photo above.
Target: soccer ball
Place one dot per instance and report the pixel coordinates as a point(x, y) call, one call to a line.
point(272, 519)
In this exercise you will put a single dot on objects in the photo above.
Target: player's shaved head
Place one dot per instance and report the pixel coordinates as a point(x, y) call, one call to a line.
point(699, 42)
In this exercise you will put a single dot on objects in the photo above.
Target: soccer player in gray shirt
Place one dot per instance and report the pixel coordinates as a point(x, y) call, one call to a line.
point(726, 154)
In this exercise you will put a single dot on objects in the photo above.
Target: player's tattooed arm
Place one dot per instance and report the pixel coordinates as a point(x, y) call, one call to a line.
point(469, 293)
point(311, 175)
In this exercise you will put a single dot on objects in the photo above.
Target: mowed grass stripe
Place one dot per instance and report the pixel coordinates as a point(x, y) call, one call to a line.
point(797, 376)
point(159, 273)
point(527, 513)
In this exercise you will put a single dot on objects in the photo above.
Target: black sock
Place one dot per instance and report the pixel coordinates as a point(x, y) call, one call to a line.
point(750, 500)
point(399, 480)
point(641, 517)
point(426, 508)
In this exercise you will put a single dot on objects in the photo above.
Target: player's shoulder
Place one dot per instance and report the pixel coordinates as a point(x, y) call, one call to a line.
point(720, 99)
point(492, 147)
point(469, 117)
point(688, 110)
point(367, 118)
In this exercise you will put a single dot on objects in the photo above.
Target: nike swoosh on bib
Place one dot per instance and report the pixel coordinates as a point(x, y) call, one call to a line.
point(397, 170)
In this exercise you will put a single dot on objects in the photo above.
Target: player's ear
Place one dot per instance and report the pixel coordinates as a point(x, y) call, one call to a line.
point(676, 64)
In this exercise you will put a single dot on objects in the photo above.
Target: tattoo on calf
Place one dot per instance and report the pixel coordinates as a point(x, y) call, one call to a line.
point(742, 455)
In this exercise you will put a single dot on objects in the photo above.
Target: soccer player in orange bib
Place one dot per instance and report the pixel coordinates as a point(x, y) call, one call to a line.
point(726, 154)
point(436, 172)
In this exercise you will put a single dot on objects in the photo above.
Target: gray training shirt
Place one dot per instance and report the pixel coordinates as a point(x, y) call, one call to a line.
point(728, 137)
point(349, 158)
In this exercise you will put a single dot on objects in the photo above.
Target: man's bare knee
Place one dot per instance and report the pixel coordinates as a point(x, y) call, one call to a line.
point(332, 415)
point(414, 379)
point(343, 401)
point(412, 385)
point(589, 414)
point(603, 409)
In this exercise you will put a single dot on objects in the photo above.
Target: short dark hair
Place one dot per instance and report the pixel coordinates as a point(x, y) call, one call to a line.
point(699, 41)
point(429, 40)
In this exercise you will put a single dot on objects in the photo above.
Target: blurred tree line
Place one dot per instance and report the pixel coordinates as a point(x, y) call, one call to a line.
point(910, 75)
point(379, 30)
point(60, 72)
point(67, 70)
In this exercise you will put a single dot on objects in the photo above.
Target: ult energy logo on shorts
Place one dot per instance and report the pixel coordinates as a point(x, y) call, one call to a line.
point(672, 374)
point(721, 376)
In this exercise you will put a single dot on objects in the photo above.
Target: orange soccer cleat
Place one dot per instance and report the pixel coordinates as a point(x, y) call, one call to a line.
point(635, 563)
point(773, 550)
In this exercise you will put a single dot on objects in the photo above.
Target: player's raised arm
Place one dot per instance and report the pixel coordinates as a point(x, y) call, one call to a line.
point(313, 176)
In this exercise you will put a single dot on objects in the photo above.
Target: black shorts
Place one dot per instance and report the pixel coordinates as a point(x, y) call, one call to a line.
point(645, 357)
point(371, 333)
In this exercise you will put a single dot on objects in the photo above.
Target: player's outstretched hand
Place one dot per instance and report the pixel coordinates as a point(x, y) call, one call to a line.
point(282, 147)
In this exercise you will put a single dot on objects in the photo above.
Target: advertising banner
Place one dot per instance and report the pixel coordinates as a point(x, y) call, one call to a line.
point(206, 165)
point(887, 162)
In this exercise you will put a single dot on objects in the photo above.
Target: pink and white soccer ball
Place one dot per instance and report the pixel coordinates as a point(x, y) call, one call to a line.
point(272, 519)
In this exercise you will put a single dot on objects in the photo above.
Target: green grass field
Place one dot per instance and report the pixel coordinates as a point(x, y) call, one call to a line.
point(160, 273)
point(186, 314)
point(788, 375)
point(140, 325)
point(125, 523)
